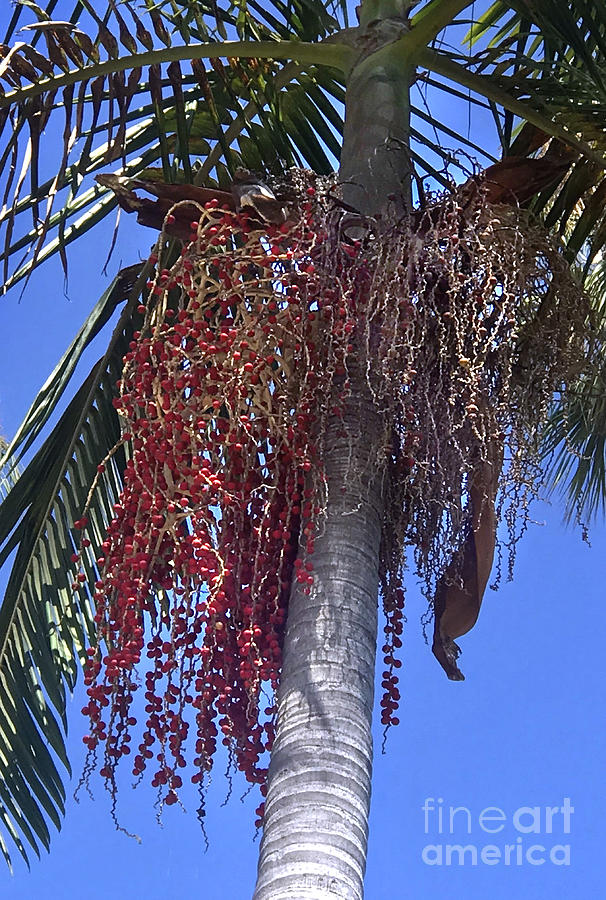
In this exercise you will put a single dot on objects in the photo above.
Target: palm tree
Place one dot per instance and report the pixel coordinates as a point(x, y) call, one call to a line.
point(133, 94)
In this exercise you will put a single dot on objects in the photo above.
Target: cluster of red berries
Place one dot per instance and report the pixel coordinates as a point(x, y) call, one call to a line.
point(227, 396)
point(223, 396)
point(393, 606)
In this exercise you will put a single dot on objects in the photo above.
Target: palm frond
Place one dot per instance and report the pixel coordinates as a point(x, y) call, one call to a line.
point(87, 74)
point(44, 623)
point(575, 436)
point(560, 112)
point(575, 446)
point(549, 30)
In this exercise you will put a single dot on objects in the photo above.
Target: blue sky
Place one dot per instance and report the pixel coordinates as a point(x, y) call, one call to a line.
point(526, 728)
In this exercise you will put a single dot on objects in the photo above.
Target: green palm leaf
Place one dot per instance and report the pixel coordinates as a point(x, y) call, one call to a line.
point(114, 110)
point(44, 625)
point(557, 52)
point(575, 435)
point(217, 116)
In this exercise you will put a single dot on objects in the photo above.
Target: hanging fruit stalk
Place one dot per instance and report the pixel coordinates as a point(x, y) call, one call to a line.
point(232, 392)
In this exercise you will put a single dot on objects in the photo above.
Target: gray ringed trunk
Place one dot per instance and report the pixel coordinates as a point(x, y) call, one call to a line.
point(316, 815)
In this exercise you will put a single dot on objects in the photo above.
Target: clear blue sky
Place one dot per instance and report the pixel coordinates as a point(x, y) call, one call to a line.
point(525, 729)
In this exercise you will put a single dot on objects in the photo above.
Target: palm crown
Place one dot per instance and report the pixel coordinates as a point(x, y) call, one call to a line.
point(185, 94)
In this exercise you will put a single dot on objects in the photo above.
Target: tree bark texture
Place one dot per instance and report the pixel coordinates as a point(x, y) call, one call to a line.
point(375, 160)
point(316, 818)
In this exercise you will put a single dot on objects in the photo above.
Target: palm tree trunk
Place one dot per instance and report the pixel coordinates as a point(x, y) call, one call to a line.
point(316, 818)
